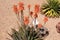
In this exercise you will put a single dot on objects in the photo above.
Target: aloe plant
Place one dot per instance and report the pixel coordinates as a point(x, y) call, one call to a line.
point(29, 33)
point(51, 8)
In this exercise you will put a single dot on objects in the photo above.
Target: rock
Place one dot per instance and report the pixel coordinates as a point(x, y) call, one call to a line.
point(58, 27)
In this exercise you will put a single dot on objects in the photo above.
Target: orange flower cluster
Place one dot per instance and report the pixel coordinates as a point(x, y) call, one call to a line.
point(26, 20)
point(39, 25)
point(45, 19)
point(37, 9)
point(21, 6)
point(35, 15)
point(15, 9)
point(31, 13)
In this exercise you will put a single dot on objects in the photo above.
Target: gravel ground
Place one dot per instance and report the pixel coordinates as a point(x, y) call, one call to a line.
point(8, 19)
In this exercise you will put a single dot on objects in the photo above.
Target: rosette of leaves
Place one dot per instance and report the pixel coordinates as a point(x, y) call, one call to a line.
point(51, 8)
point(29, 33)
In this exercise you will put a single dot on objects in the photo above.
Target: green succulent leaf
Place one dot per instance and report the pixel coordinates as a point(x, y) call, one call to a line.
point(28, 33)
point(51, 5)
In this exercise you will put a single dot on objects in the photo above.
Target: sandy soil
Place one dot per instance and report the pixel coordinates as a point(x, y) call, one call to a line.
point(8, 19)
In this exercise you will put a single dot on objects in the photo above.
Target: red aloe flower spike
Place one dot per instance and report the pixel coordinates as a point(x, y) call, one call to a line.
point(45, 19)
point(39, 25)
point(35, 15)
point(37, 8)
point(26, 20)
point(15, 9)
point(29, 7)
point(21, 6)
point(31, 13)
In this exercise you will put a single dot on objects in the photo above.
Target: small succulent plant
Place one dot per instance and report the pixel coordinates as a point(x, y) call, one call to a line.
point(51, 8)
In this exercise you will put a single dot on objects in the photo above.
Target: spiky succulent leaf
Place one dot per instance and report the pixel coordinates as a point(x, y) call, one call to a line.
point(16, 35)
point(53, 6)
point(28, 33)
